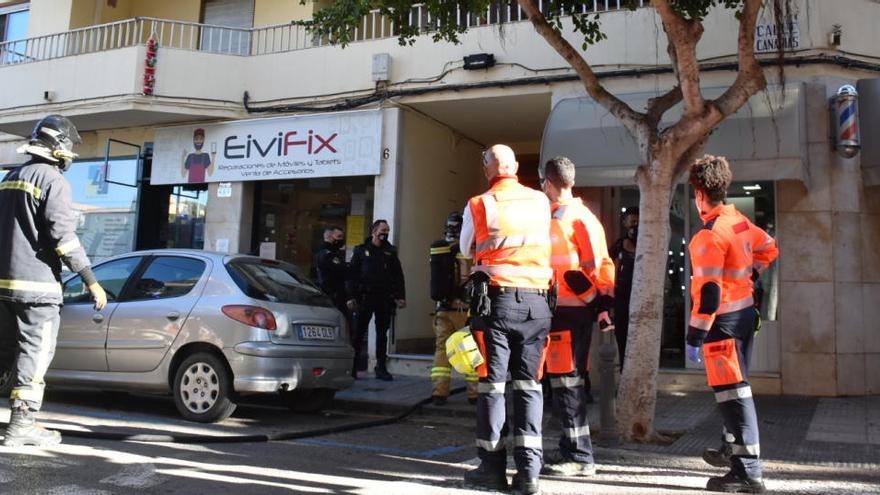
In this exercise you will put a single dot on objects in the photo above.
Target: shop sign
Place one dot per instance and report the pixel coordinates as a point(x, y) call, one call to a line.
point(302, 147)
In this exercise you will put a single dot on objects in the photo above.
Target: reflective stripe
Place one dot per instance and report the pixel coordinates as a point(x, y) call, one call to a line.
point(700, 323)
point(730, 307)
point(564, 260)
point(733, 394)
point(515, 271)
point(763, 247)
point(441, 250)
point(606, 291)
point(27, 286)
point(514, 241)
point(21, 185)
point(588, 264)
point(460, 256)
point(490, 388)
point(743, 273)
point(567, 382)
point(576, 432)
point(67, 247)
point(528, 441)
point(491, 445)
point(746, 449)
point(30, 393)
point(707, 271)
point(526, 385)
point(472, 377)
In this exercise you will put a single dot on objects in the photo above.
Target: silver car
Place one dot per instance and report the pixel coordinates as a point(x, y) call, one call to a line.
point(204, 327)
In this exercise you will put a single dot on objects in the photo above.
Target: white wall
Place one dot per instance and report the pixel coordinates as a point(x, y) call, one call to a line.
point(439, 172)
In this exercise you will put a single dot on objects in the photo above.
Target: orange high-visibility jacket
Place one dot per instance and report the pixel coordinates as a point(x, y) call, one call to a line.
point(723, 254)
point(578, 243)
point(512, 235)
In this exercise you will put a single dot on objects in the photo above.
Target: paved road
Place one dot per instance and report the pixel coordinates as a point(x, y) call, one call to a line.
point(422, 455)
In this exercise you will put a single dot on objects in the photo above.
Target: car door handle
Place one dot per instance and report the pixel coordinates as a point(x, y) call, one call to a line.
point(173, 316)
point(98, 318)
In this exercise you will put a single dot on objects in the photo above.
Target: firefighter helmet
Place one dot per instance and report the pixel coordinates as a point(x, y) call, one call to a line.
point(57, 135)
point(463, 352)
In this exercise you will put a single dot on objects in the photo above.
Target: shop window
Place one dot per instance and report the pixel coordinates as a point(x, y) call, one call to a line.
point(105, 210)
point(291, 216)
point(186, 217)
point(229, 23)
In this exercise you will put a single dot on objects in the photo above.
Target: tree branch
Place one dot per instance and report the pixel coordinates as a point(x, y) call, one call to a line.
point(659, 105)
point(683, 36)
point(631, 119)
point(750, 78)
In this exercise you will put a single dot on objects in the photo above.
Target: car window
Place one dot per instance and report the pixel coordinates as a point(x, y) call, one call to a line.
point(168, 276)
point(276, 282)
point(111, 275)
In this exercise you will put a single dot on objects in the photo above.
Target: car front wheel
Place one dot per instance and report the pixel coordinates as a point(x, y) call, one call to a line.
point(202, 389)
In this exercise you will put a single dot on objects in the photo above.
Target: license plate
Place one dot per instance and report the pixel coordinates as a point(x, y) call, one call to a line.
point(317, 332)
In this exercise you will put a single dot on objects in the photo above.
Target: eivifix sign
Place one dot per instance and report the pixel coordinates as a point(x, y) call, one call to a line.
point(301, 147)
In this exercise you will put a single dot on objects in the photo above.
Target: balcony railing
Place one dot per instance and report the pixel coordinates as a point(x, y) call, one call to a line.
point(248, 41)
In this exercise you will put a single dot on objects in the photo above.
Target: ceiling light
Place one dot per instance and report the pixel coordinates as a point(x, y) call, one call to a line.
point(756, 187)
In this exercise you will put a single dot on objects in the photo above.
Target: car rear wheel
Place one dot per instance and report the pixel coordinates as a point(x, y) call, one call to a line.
point(202, 389)
point(308, 400)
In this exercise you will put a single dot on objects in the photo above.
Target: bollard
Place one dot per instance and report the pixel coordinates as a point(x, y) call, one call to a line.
point(607, 420)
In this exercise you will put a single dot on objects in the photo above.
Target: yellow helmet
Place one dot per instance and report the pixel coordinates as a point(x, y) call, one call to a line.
point(463, 352)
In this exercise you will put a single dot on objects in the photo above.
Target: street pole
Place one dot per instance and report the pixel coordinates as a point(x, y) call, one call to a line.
point(608, 422)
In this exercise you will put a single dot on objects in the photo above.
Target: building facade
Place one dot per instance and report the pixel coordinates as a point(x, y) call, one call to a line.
point(150, 83)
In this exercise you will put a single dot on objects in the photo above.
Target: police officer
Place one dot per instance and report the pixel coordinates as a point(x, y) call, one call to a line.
point(725, 254)
point(584, 275)
point(375, 287)
point(331, 268)
point(37, 232)
point(623, 252)
point(507, 231)
point(449, 272)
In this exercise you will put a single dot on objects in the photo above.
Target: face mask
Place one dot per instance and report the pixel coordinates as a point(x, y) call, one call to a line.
point(633, 233)
point(383, 237)
point(338, 244)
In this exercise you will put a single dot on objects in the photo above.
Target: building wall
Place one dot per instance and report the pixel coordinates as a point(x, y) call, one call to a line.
point(272, 12)
point(439, 172)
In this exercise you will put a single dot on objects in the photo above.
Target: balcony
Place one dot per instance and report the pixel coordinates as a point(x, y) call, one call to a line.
point(95, 74)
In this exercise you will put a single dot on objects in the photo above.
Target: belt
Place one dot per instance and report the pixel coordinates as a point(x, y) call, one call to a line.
point(495, 290)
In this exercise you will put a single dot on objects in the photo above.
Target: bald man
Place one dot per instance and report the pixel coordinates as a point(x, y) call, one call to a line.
point(507, 231)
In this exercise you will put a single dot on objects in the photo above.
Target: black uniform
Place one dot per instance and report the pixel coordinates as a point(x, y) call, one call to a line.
point(375, 280)
point(330, 273)
point(625, 262)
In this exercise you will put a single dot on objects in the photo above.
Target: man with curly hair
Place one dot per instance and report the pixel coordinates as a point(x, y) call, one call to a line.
point(727, 255)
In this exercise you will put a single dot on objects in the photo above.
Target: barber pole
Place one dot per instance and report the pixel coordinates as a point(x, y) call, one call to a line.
point(847, 121)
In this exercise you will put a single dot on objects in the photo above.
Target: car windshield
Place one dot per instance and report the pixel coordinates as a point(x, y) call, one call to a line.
point(275, 282)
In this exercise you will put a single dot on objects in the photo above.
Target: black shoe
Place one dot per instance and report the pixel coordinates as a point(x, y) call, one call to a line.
point(486, 479)
point(525, 486)
point(383, 374)
point(439, 400)
point(719, 457)
point(472, 401)
point(24, 430)
point(734, 483)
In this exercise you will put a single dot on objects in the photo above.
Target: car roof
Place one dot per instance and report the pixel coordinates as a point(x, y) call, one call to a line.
point(214, 255)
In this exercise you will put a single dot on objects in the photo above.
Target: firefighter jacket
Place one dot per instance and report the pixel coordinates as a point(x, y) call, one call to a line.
point(724, 254)
point(578, 244)
point(375, 271)
point(511, 225)
point(38, 232)
point(449, 274)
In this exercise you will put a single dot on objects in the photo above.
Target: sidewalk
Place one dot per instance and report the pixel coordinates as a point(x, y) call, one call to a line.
point(835, 432)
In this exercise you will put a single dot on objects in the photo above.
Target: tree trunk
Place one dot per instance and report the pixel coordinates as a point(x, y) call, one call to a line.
point(637, 396)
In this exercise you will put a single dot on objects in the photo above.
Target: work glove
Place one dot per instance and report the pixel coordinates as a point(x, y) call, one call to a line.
point(694, 353)
point(759, 322)
point(606, 324)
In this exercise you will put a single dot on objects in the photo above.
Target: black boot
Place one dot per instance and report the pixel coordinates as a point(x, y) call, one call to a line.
point(486, 479)
point(719, 457)
point(383, 374)
point(734, 483)
point(24, 430)
point(525, 486)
